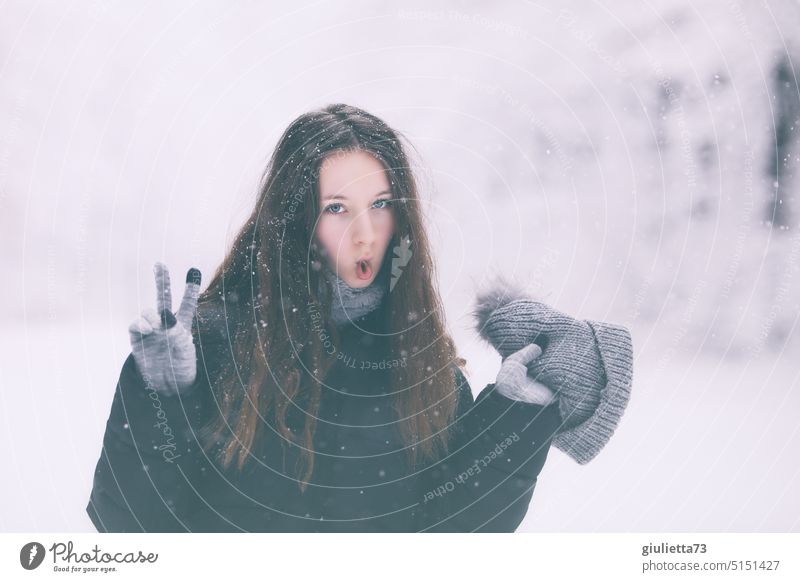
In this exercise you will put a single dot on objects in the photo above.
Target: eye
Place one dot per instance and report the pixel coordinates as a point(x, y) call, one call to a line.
point(329, 208)
point(383, 203)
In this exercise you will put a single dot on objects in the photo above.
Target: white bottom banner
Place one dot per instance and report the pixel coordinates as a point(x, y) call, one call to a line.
point(699, 556)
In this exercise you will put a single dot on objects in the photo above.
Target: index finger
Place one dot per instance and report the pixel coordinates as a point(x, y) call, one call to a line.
point(163, 289)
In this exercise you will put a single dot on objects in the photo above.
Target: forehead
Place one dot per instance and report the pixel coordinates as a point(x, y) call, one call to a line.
point(353, 173)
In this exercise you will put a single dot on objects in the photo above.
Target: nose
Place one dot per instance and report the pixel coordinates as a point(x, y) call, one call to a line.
point(363, 229)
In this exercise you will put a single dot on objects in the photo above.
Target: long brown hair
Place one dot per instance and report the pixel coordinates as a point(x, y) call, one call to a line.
point(273, 272)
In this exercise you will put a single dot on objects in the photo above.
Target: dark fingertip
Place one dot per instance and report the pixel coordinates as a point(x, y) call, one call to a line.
point(193, 276)
point(167, 319)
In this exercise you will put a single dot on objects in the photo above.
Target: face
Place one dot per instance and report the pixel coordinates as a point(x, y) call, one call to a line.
point(356, 221)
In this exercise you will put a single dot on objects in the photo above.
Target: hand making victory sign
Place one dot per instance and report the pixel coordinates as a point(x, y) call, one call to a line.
point(162, 342)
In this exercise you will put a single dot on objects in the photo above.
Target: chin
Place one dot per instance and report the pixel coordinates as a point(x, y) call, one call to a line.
point(358, 283)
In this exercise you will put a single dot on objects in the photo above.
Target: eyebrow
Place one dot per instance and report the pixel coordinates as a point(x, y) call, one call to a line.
point(340, 197)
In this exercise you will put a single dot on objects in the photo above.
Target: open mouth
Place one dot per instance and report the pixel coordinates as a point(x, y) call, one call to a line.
point(363, 269)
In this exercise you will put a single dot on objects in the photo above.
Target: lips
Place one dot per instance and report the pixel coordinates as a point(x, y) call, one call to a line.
point(364, 268)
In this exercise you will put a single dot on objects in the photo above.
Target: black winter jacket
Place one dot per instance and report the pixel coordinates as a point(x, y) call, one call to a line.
point(153, 476)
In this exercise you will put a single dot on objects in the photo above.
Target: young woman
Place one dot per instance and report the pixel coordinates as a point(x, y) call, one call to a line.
point(313, 385)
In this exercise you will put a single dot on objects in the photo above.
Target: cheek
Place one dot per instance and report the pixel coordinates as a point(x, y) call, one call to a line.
point(386, 225)
point(329, 237)
point(384, 230)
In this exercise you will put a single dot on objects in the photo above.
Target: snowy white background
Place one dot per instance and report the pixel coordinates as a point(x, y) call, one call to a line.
point(615, 157)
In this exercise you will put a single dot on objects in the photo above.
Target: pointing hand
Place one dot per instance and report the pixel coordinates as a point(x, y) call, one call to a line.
point(514, 382)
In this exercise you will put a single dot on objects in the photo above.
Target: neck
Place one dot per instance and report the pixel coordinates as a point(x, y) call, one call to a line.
point(349, 303)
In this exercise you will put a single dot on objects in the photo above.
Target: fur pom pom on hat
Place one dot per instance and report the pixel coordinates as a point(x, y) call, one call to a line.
point(588, 363)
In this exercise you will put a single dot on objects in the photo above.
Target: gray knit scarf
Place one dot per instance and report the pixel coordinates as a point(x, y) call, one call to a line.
point(349, 303)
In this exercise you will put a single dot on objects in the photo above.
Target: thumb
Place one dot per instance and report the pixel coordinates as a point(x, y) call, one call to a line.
point(525, 355)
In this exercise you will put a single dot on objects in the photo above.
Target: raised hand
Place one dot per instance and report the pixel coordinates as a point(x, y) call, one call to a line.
point(588, 363)
point(571, 363)
point(513, 380)
point(162, 341)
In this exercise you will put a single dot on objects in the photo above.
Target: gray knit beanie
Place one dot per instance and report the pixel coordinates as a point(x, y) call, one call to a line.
point(588, 363)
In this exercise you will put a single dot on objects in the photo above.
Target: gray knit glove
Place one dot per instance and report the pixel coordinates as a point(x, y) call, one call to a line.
point(161, 342)
point(588, 363)
point(571, 363)
point(514, 382)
